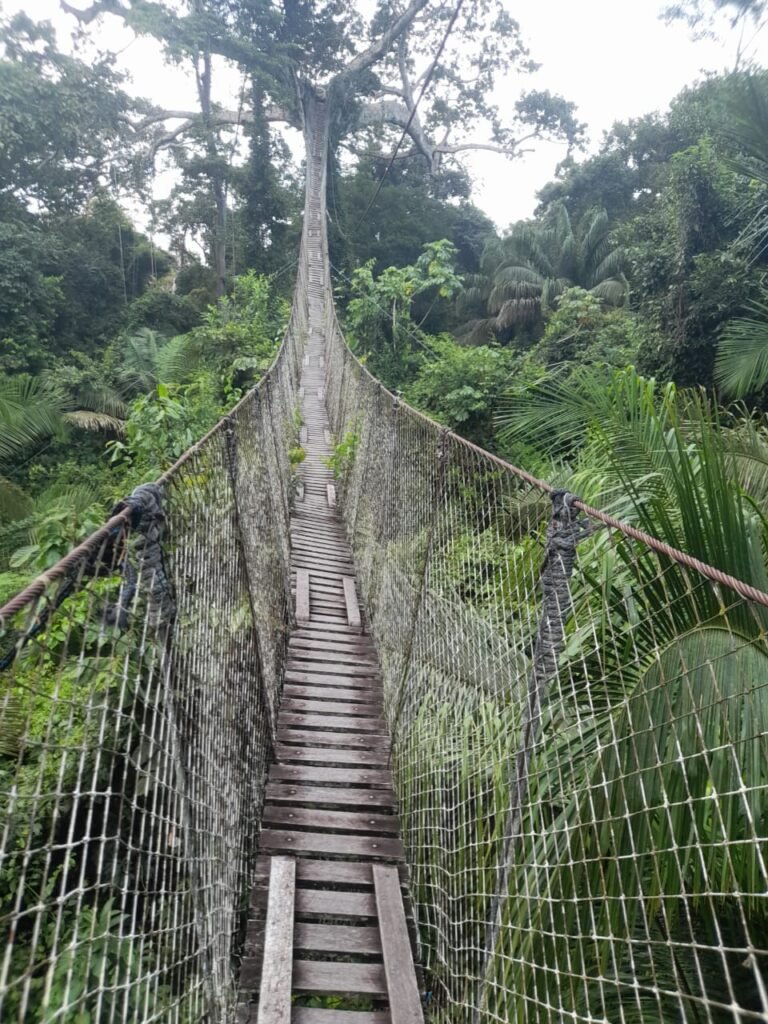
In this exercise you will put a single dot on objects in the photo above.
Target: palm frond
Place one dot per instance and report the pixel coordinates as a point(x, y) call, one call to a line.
point(29, 412)
point(476, 332)
point(139, 364)
point(741, 364)
point(176, 361)
point(101, 398)
point(595, 231)
point(100, 422)
point(518, 311)
point(747, 445)
point(613, 290)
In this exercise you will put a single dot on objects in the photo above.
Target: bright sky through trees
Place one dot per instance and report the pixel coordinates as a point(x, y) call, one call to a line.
point(614, 58)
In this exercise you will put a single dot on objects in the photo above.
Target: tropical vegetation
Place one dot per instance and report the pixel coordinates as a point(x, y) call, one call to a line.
point(599, 344)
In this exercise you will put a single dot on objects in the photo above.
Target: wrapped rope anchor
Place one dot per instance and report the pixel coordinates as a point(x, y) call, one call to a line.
point(105, 553)
point(147, 521)
point(566, 529)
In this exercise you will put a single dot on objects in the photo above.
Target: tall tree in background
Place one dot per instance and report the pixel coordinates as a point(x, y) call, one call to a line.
point(373, 73)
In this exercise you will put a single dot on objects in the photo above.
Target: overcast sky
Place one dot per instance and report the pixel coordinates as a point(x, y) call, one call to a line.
point(614, 58)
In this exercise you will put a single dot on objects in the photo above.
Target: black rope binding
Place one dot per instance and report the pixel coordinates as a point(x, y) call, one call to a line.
point(147, 522)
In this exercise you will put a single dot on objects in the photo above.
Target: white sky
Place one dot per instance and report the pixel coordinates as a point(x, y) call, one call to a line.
point(614, 58)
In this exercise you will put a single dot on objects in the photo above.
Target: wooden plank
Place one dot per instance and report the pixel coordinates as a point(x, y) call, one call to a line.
point(336, 634)
point(338, 796)
point(322, 562)
point(331, 492)
point(321, 843)
point(325, 577)
point(328, 438)
point(343, 644)
point(371, 695)
point(333, 555)
point(325, 872)
point(292, 817)
point(336, 938)
point(301, 561)
point(328, 587)
point(295, 664)
point(340, 723)
point(320, 546)
point(275, 994)
point(331, 605)
point(336, 740)
point(309, 1015)
point(334, 541)
point(303, 435)
point(353, 608)
point(329, 755)
point(334, 776)
point(324, 902)
point(402, 990)
point(333, 657)
point(342, 978)
point(330, 709)
point(302, 596)
point(321, 679)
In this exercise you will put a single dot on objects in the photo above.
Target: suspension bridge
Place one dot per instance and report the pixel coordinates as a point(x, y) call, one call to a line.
point(419, 738)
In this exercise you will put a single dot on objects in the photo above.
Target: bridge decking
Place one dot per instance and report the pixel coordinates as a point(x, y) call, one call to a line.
point(329, 800)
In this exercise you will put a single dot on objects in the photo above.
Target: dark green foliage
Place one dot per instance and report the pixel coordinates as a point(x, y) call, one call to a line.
point(410, 211)
point(163, 310)
point(688, 276)
point(266, 200)
point(461, 387)
point(51, 108)
point(380, 317)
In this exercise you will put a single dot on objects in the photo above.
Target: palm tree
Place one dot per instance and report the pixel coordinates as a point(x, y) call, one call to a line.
point(523, 273)
point(741, 364)
point(28, 414)
point(741, 367)
point(665, 676)
point(34, 409)
point(148, 358)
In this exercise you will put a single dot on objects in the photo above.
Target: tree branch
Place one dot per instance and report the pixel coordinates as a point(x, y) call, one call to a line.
point(192, 118)
point(383, 44)
point(85, 17)
point(513, 149)
point(396, 113)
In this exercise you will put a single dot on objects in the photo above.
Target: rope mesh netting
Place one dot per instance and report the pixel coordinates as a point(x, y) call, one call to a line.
point(579, 737)
point(137, 711)
point(579, 729)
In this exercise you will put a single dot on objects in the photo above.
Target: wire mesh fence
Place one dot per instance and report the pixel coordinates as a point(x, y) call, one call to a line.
point(580, 730)
point(137, 709)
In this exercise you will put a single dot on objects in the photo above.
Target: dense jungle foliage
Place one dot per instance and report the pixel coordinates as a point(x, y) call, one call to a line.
point(117, 353)
point(615, 343)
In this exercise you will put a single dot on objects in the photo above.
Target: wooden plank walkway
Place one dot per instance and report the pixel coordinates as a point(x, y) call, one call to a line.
point(330, 807)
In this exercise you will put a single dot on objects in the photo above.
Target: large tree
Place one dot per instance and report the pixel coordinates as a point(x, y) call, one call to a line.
point(374, 71)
